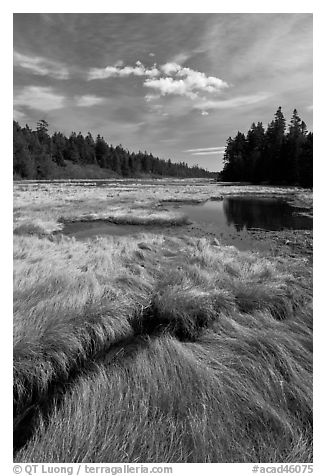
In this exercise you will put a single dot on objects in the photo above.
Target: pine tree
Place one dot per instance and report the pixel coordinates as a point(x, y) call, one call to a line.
point(39, 155)
point(305, 162)
point(295, 140)
point(273, 156)
point(58, 145)
point(101, 152)
point(273, 151)
point(90, 149)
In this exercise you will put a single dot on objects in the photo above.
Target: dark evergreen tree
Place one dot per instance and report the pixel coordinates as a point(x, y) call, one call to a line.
point(58, 146)
point(254, 164)
point(305, 162)
point(42, 129)
point(90, 149)
point(39, 155)
point(295, 141)
point(234, 158)
point(23, 162)
point(273, 150)
point(273, 156)
point(102, 152)
point(71, 151)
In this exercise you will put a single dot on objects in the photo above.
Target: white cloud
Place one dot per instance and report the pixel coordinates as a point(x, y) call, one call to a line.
point(118, 70)
point(41, 98)
point(86, 101)
point(169, 78)
point(184, 82)
point(199, 80)
point(231, 103)
point(207, 149)
point(170, 86)
point(170, 68)
point(99, 73)
point(212, 152)
point(41, 66)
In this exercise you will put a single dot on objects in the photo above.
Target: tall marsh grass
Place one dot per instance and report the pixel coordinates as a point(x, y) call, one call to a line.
point(160, 350)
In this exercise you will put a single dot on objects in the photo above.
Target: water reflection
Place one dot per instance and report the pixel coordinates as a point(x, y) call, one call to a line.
point(244, 213)
point(268, 214)
point(229, 220)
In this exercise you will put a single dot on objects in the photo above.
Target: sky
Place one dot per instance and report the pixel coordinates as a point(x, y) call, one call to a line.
point(177, 84)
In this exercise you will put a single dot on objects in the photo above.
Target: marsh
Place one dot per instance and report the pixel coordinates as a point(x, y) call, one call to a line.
point(228, 219)
point(163, 318)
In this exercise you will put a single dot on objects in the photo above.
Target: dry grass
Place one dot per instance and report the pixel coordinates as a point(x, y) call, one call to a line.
point(232, 317)
point(162, 400)
point(132, 216)
point(126, 201)
point(156, 349)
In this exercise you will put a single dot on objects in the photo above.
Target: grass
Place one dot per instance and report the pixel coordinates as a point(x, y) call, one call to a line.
point(133, 216)
point(156, 349)
point(127, 201)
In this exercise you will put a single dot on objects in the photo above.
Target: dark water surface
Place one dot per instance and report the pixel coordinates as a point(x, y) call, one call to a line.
point(243, 213)
point(229, 220)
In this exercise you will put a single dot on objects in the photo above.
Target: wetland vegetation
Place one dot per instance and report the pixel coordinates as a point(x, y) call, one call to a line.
point(166, 343)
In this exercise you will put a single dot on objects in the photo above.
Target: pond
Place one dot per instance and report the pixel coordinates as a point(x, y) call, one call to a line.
point(243, 213)
point(229, 220)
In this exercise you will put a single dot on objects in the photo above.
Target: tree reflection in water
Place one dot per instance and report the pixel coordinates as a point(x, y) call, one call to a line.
point(268, 214)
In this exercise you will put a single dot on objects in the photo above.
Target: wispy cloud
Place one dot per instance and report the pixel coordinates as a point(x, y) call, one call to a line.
point(213, 152)
point(47, 99)
point(181, 58)
point(206, 150)
point(118, 70)
point(18, 115)
point(41, 66)
point(87, 101)
point(232, 102)
point(151, 97)
point(41, 98)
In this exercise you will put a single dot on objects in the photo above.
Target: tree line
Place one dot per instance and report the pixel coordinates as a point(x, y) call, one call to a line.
point(39, 155)
point(277, 155)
